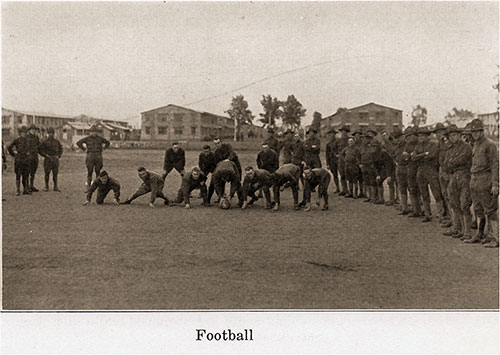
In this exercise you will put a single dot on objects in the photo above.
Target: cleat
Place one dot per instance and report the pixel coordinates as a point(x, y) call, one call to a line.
point(324, 208)
point(446, 225)
point(348, 196)
point(403, 213)
point(389, 203)
point(492, 244)
point(45, 189)
point(414, 215)
point(426, 219)
point(342, 193)
point(56, 189)
point(449, 233)
point(126, 202)
point(18, 193)
point(34, 189)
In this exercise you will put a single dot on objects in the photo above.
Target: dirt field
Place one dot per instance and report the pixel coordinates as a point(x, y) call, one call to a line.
point(58, 254)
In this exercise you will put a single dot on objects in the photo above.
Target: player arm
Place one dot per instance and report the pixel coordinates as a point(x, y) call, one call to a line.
point(81, 142)
point(105, 143)
point(116, 190)
point(493, 157)
point(92, 188)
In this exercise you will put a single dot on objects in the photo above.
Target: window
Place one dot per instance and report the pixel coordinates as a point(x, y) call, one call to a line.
point(162, 117)
point(193, 131)
point(79, 132)
point(20, 119)
point(178, 130)
point(162, 130)
point(5, 131)
point(178, 117)
point(148, 130)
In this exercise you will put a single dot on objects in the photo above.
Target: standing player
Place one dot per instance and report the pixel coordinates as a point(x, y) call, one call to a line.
point(271, 141)
point(267, 159)
point(225, 151)
point(351, 157)
point(175, 157)
point(340, 144)
point(316, 177)
point(103, 184)
point(331, 156)
point(19, 149)
point(34, 149)
point(93, 145)
point(312, 149)
point(288, 174)
point(206, 163)
point(51, 149)
point(153, 183)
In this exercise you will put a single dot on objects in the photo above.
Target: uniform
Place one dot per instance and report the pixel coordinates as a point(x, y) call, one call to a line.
point(19, 149)
point(401, 173)
point(411, 174)
point(385, 169)
point(227, 172)
point(287, 150)
point(153, 183)
point(426, 156)
point(312, 149)
point(456, 165)
point(225, 151)
point(484, 176)
point(261, 180)
point(340, 145)
point(331, 154)
point(104, 189)
point(319, 178)
point(273, 143)
point(51, 149)
point(444, 178)
point(351, 157)
point(189, 184)
point(268, 160)
point(370, 155)
point(34, 149)
point(287, 174)
point(206, 162)
point(173, 160)
point(94, 145)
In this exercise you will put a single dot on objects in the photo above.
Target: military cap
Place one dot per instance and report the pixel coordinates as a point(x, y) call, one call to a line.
point(103, 173)
point(423, 130)
point(32, 126)
point(50, 130)
point(196, 169)
point(372, 131)
point(22, 129)
point(453, 129)
point(357, 132)
point(94, 129)
point(439, 127)
point(476, 125)
point(332, 130)
point(206, 146)
point(345, 128)
point(396, 132)
point(141, 168)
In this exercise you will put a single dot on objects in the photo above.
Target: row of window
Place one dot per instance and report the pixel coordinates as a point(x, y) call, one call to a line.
point(164, 130)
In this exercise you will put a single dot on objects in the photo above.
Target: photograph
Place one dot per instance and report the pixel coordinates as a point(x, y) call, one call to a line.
point(250, 156)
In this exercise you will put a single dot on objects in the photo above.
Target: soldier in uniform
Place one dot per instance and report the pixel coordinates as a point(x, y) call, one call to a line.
point(19, 149)
point(227, 172)
point(456, 165)
point(298, 154)
point(103, 184)
point(206, 163)
point(51, 149)
point(195, 179)
point(287, 146)
point(267, 159)
point(370, 155)
point(400, 162)
point(151, 182)
point(175, 157)
point(411, 172)
point(94, 145)
point(484, 180)
point(312, 149)
point(34, 149)
point(340, 144)
point(426, 156)
point(280, 144)
point(386, 171)
point(225, 151)
point(286, 175)
point(351, 157)
point(332, 159)
point(444, 179)
point(317, 177)
point(256, 179)
point(271, 141)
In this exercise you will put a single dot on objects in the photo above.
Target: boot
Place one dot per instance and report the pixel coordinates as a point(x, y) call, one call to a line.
point(494, 233)
point(467, 221)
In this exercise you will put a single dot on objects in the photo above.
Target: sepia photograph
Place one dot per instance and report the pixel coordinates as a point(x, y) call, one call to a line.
point(225, 156)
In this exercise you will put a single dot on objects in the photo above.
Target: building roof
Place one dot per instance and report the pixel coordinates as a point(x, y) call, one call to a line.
point(188, 109)
point(374, 104)
point(79, 125)
point(40, 114)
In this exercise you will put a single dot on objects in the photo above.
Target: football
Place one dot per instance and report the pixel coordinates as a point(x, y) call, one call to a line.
point(225, 204)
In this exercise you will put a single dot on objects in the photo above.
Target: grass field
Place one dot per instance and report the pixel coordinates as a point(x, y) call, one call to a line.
point(60, 255)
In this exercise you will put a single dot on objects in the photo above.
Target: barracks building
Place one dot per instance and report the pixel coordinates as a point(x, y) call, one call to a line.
point(369, 116)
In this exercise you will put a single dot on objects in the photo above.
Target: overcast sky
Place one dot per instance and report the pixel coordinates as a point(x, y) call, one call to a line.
point(115, 60)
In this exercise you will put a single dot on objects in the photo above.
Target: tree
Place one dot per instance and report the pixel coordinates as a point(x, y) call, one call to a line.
point(293, 111)
point(459, 117)
point(418, 116)
point(240, 113)
point(272, 111)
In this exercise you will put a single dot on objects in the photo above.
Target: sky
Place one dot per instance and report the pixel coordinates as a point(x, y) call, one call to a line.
point(117, 59)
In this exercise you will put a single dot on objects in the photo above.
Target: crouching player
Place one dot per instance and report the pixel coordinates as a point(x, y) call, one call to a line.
point(316, 177)
point(153, 183)
point(256, 179)
point(103, 184)
point(286, 175)
point(226, 171)
point(194, 179)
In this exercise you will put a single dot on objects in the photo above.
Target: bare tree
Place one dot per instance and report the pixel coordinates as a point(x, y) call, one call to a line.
point(240, 113)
